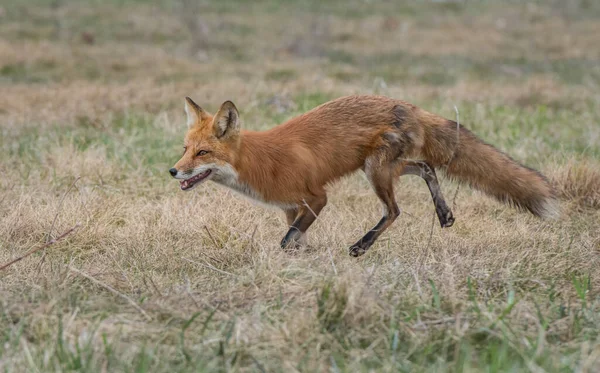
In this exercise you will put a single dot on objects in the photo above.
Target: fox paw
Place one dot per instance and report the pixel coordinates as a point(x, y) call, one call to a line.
point(291, 246)
point(357, 250)
point(448, 220)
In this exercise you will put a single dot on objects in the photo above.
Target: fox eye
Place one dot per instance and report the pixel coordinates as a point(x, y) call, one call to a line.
point(184, 149)
point(201, 153)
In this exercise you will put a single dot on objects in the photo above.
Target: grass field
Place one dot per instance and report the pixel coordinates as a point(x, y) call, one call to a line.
point(158, 280)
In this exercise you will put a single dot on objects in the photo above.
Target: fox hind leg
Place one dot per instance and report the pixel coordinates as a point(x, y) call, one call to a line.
point(381, 178)
point(427, 173)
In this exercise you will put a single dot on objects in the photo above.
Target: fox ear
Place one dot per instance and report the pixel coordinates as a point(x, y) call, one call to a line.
point(194, 112)
point(227, 120)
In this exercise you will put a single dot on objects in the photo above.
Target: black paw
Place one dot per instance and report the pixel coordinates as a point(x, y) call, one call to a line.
point(448, 220)
point(291, 245)
point(357, 250)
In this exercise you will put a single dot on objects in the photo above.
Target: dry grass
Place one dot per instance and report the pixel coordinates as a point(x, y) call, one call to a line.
point(579, 182)
point(160, 280)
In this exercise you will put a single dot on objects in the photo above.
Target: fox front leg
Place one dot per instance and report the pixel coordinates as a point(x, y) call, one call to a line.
point(306, 215)
point(381, 179)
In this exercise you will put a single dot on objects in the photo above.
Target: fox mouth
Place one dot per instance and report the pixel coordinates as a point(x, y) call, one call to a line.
point(192, 181)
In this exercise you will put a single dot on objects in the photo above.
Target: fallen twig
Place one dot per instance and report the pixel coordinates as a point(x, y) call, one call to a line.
point(445, 320)
point(209, 266)
point(112, 290)
point(60, 205)
point(211, 237)
point(34, 250)
point(156, 289)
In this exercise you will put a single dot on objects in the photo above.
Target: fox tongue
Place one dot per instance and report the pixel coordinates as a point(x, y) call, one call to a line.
point(188, 183)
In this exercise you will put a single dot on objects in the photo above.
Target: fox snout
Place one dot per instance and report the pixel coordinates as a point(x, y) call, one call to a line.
point(173, 171)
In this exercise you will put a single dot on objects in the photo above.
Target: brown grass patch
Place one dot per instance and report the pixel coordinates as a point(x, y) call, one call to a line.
point(579, 182)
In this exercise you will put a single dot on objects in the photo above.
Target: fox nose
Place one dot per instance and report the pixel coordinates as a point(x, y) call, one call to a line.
point(173, 172)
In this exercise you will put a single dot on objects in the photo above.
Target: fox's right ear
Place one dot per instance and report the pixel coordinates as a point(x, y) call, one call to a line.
point(194, 112)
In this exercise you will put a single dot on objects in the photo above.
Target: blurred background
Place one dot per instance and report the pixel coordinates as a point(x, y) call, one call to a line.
point(81, 59)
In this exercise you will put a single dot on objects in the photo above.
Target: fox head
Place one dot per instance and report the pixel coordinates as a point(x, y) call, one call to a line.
point(210, 145)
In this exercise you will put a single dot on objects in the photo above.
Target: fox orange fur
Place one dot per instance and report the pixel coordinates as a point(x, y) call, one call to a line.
point(290, 165)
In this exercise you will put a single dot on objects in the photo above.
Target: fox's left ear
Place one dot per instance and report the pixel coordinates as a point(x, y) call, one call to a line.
point(227, 121)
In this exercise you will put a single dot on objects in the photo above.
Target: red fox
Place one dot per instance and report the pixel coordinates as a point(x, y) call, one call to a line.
point(290, 165)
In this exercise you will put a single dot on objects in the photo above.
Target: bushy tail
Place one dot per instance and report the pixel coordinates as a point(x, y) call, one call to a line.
point(487, 169)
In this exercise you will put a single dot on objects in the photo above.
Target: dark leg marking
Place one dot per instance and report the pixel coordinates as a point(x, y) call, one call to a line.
point(401, 115)
point(307, 214)
point(427, 172)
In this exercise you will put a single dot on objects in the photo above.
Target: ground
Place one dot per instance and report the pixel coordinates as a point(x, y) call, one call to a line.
point(155, 279)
